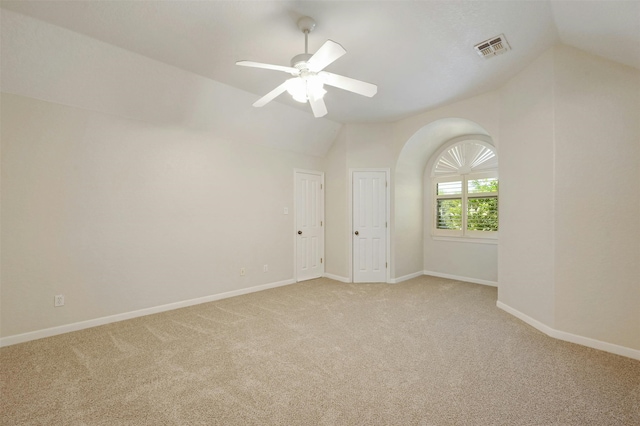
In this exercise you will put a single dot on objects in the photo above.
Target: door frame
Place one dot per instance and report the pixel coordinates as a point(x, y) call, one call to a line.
point(295, 219)
point(387, 172)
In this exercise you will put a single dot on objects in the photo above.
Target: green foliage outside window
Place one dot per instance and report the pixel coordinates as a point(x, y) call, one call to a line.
point(483, 185)
point(482, 212)
point(450, 214)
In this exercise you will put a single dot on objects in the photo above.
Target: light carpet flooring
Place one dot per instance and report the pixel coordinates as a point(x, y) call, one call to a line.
point(428, 351)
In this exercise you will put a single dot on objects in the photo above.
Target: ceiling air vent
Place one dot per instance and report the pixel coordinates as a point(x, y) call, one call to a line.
point(492, 47)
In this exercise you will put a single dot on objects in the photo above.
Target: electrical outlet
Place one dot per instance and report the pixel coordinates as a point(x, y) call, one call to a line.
point(241, 271)
point(265, 268)
point(58, 300)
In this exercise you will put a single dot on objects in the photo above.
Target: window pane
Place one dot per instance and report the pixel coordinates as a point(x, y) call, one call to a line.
point(482, 185)
point(450, 188)
point(482, 214)
point(449, 214)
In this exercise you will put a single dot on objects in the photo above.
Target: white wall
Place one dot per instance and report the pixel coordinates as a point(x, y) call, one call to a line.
point(336, 209)
point(475, 262)
point(526, 247)
point(597, 197)
point(120, 215)
point(130, 184)
point(370, 145)
point(569, 250)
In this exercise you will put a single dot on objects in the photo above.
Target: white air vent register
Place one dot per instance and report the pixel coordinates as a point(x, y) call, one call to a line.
point(492, 47)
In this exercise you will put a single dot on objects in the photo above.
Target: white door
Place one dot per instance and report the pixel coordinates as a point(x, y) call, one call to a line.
point(369, 227)
point(309, 225)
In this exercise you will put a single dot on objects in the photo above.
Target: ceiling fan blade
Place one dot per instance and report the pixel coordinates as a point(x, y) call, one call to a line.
point(328, 52)
point(318, 107)
point(350, 84)
point(252, 64)
point(272, 94)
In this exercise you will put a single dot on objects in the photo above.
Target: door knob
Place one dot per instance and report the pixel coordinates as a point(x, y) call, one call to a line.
point(357, 233)
point(299, 232)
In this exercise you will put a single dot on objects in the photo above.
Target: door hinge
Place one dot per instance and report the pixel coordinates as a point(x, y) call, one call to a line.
point(386, 265)
point(320, 186)
point(386, 184)
point(320, 260)
point(320, 223)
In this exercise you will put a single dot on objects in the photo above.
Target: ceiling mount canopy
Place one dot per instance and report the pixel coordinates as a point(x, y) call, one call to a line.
point(309, 78)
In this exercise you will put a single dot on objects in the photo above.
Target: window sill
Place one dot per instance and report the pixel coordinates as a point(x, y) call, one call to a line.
point(466, 239)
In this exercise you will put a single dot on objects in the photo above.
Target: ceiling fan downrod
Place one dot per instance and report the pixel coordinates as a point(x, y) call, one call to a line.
point(306, 24)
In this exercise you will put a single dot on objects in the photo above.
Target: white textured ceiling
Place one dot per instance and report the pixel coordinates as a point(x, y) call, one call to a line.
point(419, 53)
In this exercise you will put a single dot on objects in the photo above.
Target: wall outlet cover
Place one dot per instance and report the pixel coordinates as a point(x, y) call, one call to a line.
point(58, 300)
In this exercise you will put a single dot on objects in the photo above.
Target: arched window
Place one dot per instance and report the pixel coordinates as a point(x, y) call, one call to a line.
point(465, 190)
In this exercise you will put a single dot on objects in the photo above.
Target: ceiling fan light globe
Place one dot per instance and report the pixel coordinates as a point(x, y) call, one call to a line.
point(297, 88)
point(301, 99)
point(315, 87)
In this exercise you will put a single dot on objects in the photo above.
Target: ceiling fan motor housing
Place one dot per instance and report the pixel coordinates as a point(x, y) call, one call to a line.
point(300, 61)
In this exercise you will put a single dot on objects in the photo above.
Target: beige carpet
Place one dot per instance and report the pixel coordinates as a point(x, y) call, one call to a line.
point(428, 351)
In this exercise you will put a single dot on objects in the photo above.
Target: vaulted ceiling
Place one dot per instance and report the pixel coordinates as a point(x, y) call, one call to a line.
point(419, 53)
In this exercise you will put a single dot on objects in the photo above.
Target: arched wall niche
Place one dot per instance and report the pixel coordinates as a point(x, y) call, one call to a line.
point(410, 233)
point(420, 147)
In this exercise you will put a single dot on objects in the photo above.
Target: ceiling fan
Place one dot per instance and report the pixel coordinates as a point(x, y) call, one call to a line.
point(307, 83)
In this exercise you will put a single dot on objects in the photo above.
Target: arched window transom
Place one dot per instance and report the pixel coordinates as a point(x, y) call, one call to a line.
point(464, 158)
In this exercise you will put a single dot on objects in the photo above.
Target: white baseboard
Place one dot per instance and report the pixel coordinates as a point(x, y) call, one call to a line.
point(459, 278)
point(337, 278)
point(53, 331)
point(573, 338)
point(405, 277)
